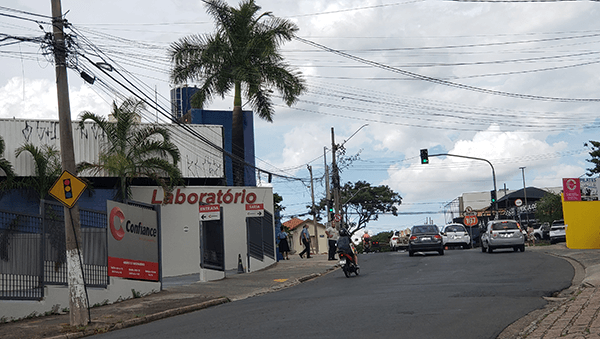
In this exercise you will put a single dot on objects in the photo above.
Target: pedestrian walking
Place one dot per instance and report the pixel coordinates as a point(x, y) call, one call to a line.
point(284, 246)
point(332, 238)
point(305, 240)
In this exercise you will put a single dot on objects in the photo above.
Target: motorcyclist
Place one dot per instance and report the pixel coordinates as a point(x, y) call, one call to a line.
point(366, 241)
point(345, 245)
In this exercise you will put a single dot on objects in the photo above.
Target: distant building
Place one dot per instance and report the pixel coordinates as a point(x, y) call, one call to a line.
point(180, 100)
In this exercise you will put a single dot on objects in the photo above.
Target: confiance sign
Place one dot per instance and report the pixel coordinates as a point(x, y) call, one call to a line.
point(132, 242)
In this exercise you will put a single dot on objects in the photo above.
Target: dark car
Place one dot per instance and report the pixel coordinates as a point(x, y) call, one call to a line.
point(425, 238)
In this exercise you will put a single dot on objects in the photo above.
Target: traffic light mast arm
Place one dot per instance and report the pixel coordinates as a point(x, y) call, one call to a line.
point(474, 158)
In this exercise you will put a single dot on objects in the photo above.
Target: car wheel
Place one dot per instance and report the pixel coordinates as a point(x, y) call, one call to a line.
point(441, 252)
point(482, 248)
point(516, 249)
point(411, 253)
point(490, 249)
point(523, 248)
point(538, 237)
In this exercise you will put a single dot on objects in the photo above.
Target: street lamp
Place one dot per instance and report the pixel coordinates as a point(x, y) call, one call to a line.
point(525, 194)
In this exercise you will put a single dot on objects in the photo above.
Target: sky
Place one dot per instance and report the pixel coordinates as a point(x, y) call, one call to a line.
point(513, 82)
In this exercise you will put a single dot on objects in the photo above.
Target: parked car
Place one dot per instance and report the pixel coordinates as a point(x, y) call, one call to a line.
point(502, 234)
point(542, 232)
point(399, 240)
point(425, 238)
point(456, 235)
point(557, 231)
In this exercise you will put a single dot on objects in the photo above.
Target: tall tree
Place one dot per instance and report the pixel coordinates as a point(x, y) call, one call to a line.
point(6, 167)
point(549, 208)
point(366, 202)
point(133, 150)
point(595, 154)
point(47, 167)
point(241, 55)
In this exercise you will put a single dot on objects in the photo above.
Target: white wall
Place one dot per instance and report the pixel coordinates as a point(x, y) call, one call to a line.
point(181, 248)
point(118, 289)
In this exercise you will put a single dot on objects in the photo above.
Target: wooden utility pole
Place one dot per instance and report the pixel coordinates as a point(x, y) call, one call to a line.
point(327, 190)
point(335, 178)
point(77, 298)
point(313, 209)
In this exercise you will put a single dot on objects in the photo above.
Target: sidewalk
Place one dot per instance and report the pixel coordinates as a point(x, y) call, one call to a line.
point(180, 295)
point(572, 313)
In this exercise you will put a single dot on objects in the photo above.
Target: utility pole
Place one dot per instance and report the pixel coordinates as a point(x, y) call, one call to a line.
point(327, 191)
point(312, 195)
point(335, 178)
point(78, 304)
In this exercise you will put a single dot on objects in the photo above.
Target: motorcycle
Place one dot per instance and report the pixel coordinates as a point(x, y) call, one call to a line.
point(347, 264)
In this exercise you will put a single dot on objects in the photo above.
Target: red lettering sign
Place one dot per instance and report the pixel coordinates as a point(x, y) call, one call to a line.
point(135, 269)
point(209, 208)
point(221, 197)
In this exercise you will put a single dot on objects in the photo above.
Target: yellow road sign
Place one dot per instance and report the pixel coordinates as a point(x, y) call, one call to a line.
point(67, 189)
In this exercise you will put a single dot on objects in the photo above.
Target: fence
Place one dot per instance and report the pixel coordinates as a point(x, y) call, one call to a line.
point(32, 251)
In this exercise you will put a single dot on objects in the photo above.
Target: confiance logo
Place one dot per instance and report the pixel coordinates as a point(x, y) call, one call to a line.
point(118, 234)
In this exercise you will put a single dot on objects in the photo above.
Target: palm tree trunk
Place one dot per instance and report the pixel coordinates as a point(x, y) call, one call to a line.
point(237, 138)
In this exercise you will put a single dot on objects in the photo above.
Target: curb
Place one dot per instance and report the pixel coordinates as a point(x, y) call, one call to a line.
point(143, 320)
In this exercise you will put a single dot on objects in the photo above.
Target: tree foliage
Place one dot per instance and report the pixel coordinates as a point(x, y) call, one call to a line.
point(549, 208)
point(132, 150)
point(5, 166)
point(365, 202)
point(243, 55)
point(595, 154)
point(47, 167)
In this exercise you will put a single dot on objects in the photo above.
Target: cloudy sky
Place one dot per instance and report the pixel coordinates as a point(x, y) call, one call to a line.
point(514, 82)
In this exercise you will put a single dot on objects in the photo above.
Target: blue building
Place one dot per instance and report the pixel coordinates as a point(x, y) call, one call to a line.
point(225, 119)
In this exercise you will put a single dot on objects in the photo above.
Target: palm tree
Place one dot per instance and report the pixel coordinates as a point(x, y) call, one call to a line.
point(7, 168)
point(132, 150)
point(243, 55)
point(47, 167)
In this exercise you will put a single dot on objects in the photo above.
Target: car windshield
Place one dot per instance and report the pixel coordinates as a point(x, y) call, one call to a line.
point(425, 229)
point(505, 226)
point(455, 228)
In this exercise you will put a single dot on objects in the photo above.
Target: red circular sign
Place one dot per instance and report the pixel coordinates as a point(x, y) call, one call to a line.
point(471, 220)
point(337, 217)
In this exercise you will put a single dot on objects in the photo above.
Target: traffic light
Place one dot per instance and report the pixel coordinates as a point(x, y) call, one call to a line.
point(493, 195)
point(424, 156)
point(330, 209)
point(67, 188)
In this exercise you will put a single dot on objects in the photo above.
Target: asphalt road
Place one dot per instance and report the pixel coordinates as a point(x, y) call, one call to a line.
point(464, 294)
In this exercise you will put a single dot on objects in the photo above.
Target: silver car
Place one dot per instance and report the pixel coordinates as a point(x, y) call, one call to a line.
point(502, 234)
point(456, 235)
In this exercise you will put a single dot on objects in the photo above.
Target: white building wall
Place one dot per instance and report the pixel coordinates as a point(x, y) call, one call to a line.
point(180, 225)
point(198, 160)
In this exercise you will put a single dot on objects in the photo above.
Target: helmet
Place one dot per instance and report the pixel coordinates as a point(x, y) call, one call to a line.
point(343, 232)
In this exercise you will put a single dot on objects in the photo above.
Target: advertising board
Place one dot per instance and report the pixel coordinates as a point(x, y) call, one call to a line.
point(132, 242)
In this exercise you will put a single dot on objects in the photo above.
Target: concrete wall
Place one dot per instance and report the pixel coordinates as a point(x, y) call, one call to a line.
point(118, 289)
point(181, 226)
point(583, 224)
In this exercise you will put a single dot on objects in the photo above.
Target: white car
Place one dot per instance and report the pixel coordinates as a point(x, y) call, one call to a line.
point(399, 240)
point(557, 231)
point(456, 235)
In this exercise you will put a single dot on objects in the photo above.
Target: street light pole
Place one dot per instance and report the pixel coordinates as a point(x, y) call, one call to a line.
point(525, 194)
point(474, 158)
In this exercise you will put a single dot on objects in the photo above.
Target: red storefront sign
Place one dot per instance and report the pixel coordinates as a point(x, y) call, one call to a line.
point(133, 269)
point(571, 189)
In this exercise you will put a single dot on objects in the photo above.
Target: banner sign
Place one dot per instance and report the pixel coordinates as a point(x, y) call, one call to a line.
point(132, 242)
point(571, 189)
